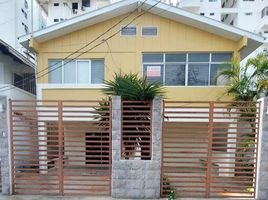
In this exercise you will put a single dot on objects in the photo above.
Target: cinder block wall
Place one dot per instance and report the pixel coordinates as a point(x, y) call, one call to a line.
point(136, 178)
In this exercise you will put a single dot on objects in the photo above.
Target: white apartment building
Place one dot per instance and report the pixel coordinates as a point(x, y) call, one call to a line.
point(59, 10)
point(17, 18)
point(250, 15)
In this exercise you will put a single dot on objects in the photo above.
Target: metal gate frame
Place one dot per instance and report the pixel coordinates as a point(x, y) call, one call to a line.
point(211, 113)
point(31, 174)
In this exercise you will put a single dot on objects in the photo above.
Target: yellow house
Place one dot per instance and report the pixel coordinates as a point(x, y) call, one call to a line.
point(180, 49)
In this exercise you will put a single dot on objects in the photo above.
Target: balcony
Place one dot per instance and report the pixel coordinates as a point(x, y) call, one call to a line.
point(190, 4)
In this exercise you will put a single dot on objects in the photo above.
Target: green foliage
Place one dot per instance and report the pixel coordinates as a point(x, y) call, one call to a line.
point(171, 195)
point(132, 87)
point(247, 83)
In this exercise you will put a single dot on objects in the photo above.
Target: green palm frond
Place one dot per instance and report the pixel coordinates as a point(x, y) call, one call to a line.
point(132, 87)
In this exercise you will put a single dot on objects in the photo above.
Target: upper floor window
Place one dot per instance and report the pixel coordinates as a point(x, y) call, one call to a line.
point(130, 30)
point(85, 3)
point(149, 31)
point(264, 12)
point(193, 69)
point(202, 14)
point(26, 4)
point(76, 71)
point(56, 4)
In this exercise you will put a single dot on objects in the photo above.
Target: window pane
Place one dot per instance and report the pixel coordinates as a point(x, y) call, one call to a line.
point(69, 72)
point(55, 71)
point(198, 57)
point(149, 31)
point(129, 30)
point(151, 58)
point(221, 57)
point(97, 71)
point(198, 74)
point(175, 57)
point(214, 71)
point(154, 73)
point(174, 74)
point(82, 72)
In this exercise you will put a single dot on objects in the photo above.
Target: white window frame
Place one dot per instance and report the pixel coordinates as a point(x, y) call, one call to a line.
point(76, 71)
point(150, 26)
point(126, 26)
point(210, 63)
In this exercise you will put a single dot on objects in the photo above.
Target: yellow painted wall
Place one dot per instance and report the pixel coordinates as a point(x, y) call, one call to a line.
point(126, 53)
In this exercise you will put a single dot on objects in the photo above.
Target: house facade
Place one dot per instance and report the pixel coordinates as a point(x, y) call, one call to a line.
point(134, 149)
point(179, 49)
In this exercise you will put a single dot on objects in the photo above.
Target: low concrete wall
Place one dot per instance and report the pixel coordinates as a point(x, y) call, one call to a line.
point(262, 171)
point(136, 178)
point(4, 147)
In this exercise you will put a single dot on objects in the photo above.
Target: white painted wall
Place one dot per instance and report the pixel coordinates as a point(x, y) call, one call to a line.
point(64, 10)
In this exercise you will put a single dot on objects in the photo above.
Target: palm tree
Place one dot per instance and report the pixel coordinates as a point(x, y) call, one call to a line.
point(132, 87)
point(246, 84)
point(249, 82)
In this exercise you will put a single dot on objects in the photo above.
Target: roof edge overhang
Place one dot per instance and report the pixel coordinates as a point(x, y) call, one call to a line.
point(14, 53)
point(159, 8)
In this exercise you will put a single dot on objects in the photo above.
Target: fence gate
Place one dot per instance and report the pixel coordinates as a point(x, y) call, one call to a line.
point(61, 147)
point(210, 149)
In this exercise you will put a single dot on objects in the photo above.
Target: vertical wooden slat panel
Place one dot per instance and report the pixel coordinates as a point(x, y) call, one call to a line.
point(60, 135)
point(209, 156)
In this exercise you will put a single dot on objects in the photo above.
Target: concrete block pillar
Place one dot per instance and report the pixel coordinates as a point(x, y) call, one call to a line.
point(4, 146)
point(262, 170)
point(136, 178)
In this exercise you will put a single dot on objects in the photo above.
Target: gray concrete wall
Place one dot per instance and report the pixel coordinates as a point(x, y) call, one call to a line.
point(136, 178)
point(4, 146)
point(262, 171)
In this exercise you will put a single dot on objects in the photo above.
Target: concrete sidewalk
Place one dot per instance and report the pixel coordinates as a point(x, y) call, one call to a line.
point(38, 197)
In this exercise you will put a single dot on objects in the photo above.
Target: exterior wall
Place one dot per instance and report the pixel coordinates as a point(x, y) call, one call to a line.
point(64, 10)
point(136, 178)
point(173, 37)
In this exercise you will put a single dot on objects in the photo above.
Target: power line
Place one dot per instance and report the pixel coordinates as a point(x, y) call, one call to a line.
point(77, 51)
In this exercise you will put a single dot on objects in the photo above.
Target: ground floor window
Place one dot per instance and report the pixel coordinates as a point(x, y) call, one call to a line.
point(76, 71)
point(190, 69)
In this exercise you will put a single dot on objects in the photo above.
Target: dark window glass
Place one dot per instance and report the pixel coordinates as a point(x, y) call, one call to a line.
point(97, 71)
point(56, 20)
point(221, 57)
point(149, 31)
point(176, 57)
point(86, 3)
point(56, 4)
point(74, 6)
point(152, 58)
point(198, 57)
point(129, 30)
point(175, 74)
point(198, 74)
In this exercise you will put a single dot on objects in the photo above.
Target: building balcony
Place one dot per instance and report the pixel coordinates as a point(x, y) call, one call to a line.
point(190, 4)
point(263, 24)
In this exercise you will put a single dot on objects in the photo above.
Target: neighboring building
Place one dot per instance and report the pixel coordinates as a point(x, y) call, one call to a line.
point(16, 74)
point(178, 48)
point(60, 10)
point(17, 82)
point(250, 15)
point(16, 20)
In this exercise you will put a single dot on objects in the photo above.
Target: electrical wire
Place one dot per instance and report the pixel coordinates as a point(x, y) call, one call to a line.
point(77, 51)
